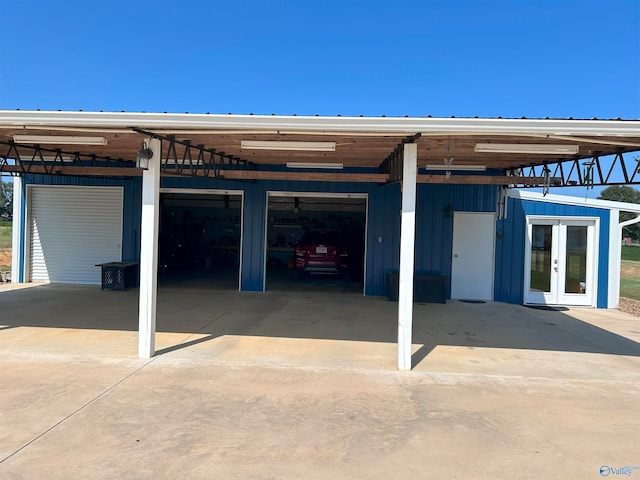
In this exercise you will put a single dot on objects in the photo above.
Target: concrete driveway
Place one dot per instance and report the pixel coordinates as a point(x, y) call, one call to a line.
point(304, 385)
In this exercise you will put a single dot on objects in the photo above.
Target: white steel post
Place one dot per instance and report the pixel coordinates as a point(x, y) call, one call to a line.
point(407, 248)
point(615, 252)
point(149, 252)
point(17, 234)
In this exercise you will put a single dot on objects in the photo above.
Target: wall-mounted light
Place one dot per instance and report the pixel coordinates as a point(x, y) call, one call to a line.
point(295, 146)
point(59, 140)
point(143, 156)
point(448, 211)
point(533, 148)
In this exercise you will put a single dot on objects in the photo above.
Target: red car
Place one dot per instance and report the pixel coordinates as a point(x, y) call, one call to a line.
point(321, 252)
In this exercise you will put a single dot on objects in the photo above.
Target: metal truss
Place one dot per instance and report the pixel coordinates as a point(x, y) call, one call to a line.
point(55, 161)
point(182, 157)
point(596, 171)
point(393, 163)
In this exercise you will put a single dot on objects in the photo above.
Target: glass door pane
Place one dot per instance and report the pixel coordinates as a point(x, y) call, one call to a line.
point(540, 273)
point(576, 260)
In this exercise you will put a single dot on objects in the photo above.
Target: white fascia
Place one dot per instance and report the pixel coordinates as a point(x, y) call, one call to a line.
point(579, 201)
point(318, 125)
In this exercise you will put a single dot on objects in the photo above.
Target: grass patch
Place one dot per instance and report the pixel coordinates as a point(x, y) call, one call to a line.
point(5, 235)
point(631, 252)
point(630, 278)
point(630, 287)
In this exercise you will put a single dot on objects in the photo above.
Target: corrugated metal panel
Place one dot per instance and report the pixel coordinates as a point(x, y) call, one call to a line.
point(132, 204)
point(433, 233)
point(509, 279)
point(384, 224)
point(72, 229)
point(434, 222)
point(510, 249)
point(132, 215)
point(253, 239)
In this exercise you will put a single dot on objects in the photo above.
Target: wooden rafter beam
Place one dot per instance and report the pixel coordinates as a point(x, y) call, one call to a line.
point(304, 176)
point(76, 170)
point(290, 176)
point(481, 179)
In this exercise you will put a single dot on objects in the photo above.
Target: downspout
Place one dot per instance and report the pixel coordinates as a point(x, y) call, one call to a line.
point(618, 247)
point(627, 223)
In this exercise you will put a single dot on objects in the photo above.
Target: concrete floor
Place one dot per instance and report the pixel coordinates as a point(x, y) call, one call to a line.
point(304, 385)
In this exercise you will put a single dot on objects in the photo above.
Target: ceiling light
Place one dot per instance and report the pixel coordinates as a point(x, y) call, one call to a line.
point(451, 168)
point(536, 148)
point(280, 145)
point(333, 166)
point(59, 140)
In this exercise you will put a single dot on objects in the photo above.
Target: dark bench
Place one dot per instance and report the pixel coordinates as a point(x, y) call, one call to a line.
point(119, 275)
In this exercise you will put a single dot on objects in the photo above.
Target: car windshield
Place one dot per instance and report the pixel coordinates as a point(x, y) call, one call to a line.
point(316, 237)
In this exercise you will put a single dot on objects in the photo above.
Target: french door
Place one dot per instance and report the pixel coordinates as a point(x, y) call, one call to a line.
point(560, 261)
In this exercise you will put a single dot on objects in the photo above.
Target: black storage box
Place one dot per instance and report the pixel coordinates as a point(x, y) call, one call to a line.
point(427, 288)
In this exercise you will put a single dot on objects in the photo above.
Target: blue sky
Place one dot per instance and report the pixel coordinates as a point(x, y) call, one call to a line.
point(534, 58)
point(488, 58)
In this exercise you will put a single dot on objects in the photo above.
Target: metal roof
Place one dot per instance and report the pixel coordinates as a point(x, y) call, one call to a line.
point(360, 142)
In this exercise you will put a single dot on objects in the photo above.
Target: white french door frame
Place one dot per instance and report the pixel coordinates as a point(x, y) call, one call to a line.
point(557, 294)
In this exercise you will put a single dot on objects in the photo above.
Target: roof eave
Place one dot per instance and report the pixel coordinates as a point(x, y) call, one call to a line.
point(317, 124)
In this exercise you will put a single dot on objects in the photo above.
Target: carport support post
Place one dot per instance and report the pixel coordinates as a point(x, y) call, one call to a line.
point(407, 247)
point(149, 252)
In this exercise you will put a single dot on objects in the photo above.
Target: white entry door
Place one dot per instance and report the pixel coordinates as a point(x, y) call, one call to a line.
point(560, 262)
point(472, 264)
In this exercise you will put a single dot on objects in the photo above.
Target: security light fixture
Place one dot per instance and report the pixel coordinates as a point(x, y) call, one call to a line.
point(319, 165)
point(282, 145)
point(59, 140)
point(533, 148)
point(143, 156)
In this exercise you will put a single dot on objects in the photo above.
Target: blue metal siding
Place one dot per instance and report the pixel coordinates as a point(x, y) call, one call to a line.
point(509, 273)
point(253, 238)
point(383, 222)
point(510, 252)
point(434, 220)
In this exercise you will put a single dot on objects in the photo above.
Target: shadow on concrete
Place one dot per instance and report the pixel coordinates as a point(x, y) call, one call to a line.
point(310, 315)
point(285, 281)
point(220, 279)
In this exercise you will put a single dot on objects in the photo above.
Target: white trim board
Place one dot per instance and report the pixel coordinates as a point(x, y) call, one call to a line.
point(577, 201)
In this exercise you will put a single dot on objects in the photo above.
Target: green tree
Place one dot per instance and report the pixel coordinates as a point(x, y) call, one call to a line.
point(623, 193)
point(6, 198)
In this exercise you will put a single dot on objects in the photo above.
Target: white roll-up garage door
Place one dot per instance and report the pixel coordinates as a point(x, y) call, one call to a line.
point(71, 230)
